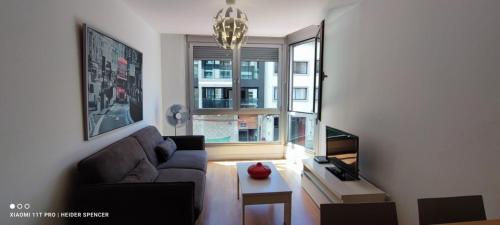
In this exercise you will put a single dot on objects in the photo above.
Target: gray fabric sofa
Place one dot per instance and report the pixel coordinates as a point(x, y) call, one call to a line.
point(129, 180)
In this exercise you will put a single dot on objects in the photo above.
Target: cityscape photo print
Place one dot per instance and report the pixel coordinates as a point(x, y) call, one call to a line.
point(113, 77)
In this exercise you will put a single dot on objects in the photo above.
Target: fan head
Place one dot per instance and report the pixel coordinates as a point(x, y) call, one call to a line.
point(177, 115)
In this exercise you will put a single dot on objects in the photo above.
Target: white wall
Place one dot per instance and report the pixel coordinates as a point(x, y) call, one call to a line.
point(418, 81)
point(174, 76)
point(41, 132)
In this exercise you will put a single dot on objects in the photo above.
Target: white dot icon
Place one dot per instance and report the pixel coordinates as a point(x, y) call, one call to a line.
point(12, 206)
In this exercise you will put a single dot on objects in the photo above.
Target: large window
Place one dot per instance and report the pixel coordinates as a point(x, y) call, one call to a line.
point(302, 117)
point(250, 113)
point(302, 79)
point(304, 92)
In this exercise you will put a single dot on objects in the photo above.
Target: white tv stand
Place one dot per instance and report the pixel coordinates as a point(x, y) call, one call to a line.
point(324, 187)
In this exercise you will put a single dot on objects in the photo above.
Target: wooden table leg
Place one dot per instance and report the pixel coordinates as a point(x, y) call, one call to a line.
point(288, 212)
point(243, 214)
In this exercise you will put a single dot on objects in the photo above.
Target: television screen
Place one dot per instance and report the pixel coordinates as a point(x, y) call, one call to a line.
point(342, 150)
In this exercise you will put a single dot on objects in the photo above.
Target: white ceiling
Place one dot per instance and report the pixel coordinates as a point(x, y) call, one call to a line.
point(274, 18)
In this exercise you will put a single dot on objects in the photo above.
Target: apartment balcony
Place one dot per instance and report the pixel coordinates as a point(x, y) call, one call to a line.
point(249, 103)
point(224, 78)
point(216, 103)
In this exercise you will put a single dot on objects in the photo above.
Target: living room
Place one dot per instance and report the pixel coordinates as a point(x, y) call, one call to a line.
point(411, 86)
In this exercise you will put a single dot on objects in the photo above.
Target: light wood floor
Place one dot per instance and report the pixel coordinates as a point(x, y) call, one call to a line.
point(221, 207)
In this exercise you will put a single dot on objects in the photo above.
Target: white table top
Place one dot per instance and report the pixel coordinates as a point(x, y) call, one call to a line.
point(273, 184)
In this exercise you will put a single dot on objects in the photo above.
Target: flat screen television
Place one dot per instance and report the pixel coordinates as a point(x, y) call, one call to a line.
point(342, 151)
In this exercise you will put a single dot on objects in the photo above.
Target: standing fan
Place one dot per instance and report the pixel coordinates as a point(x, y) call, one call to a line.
point(177, 116)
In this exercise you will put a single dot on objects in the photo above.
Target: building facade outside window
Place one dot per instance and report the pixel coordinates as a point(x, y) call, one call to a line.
point(249, 70)
point(216, 97)
point(249, 97)
point(213, 83)
point(213, 69)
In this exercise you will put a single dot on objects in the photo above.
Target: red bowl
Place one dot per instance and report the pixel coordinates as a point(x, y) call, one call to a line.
point(259, 171)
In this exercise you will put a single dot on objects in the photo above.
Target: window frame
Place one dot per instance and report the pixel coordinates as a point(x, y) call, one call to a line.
point(236, 85)
point(194, 110)
point(299, 37)
point(280, 77)
point(291, 75)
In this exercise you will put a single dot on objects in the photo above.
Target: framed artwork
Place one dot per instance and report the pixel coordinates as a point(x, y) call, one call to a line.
point(112, 80)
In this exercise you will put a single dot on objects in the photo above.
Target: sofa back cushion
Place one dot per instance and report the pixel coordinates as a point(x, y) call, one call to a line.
point(112, 163)
point(149, 138)
point(144, 172)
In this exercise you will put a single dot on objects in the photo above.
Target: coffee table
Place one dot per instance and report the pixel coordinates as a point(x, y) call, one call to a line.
point(272, 190)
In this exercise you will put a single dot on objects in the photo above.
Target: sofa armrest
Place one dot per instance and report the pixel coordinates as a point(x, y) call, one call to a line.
point(189, 142)
point(137, 203)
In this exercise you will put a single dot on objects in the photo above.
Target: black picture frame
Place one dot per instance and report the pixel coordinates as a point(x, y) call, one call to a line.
point(112, 84)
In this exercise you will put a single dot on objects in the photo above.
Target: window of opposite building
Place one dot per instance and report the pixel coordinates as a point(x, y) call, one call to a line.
point(299, 93)
point(300, 67)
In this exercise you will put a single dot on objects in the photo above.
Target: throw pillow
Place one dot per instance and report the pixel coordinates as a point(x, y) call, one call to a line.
point(166, 149)
point(142, 173)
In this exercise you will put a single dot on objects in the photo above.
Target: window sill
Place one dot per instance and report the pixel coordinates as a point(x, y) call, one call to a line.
point(243, 144)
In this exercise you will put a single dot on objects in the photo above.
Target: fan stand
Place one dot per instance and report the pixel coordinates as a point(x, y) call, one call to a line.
point(175, 127)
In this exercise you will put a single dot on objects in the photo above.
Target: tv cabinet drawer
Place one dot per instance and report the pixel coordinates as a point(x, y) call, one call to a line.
point(324, 187)
point(315, 192)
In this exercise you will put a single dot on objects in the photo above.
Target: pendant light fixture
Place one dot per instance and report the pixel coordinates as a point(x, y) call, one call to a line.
point(230, 26)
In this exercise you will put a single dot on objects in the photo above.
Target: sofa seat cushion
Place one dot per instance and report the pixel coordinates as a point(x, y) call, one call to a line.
point(149, 138)
point(112, 163)
point(187, 159)
point(144, 172)
point(186, 175)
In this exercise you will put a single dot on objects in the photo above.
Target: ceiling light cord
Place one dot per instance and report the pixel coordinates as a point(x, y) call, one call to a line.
point(230, 2)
